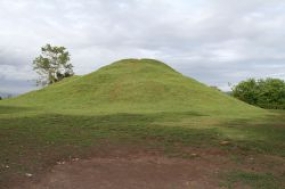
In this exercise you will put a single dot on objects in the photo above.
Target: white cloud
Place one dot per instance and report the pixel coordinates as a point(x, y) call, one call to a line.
point(215, 41)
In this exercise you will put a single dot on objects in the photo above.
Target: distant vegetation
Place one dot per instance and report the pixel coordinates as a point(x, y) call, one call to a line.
point(6, 95)
point(52, 65)
point(265, 93)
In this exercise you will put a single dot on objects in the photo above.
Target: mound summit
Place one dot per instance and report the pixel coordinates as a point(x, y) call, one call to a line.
point(133, 86)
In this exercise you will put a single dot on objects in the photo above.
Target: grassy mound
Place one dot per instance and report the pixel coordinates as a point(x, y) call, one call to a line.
point(135, 86)
point(137, 106)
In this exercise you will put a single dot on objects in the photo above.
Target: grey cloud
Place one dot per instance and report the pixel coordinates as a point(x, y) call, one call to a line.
point(215, 41)
point(16, 87)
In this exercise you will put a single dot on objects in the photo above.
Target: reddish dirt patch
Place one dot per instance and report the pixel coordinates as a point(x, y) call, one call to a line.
point(131, 167)
point(131, 173)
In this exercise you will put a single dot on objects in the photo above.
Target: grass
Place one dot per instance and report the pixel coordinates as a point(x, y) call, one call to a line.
point(133, 103)
point(252, 180)
point(135, 87)
point(32, 140)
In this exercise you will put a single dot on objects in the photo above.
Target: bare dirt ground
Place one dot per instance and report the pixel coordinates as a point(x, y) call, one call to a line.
point(133, 169)
point(133, 173)
point(138, 169)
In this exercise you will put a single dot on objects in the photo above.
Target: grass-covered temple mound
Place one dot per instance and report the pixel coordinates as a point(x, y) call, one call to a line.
point(135, 86)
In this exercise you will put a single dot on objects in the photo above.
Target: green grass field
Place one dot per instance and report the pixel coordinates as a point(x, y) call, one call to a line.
point(143, 104)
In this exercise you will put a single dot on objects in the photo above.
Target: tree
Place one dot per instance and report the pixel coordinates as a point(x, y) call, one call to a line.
point(52, 65)
point(247, 91)
point(272, 93)
point(0, 98)
point(266, 93)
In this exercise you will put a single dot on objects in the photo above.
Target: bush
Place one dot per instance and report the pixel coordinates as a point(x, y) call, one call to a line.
point(265, 93)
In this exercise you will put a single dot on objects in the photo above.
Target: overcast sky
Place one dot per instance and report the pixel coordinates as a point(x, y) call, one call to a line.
point(214, 41)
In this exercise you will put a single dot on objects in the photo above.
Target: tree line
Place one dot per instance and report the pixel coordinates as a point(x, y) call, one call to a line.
point(266, 93)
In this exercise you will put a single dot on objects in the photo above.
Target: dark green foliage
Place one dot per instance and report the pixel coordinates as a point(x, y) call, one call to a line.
point(53, 65)
point(265, 93)
point(0, 98)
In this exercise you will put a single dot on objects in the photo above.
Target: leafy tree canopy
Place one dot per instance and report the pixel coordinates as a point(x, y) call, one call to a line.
point(266, 93)
point(52, 65)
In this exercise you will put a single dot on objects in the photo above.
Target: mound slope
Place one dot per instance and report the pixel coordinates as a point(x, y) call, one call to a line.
point(135, 85)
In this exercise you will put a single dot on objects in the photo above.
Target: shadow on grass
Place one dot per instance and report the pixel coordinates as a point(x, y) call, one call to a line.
point(30, 144)
point(254, 180)
point(13, 109)
point(265, 136)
